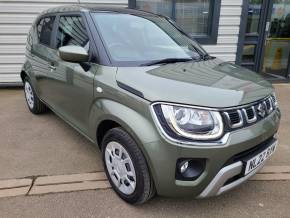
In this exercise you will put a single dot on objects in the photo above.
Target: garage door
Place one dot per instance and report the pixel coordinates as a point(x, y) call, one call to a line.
point(16, 17)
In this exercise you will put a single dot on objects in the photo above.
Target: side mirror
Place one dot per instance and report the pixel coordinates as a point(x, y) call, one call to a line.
point(73, 53)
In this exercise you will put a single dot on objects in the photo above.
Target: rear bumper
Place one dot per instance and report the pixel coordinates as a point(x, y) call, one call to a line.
point(219, 183)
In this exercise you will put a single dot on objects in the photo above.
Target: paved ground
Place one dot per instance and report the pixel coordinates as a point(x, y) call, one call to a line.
point(44, 145)
point(40, 145)
point(268, 200)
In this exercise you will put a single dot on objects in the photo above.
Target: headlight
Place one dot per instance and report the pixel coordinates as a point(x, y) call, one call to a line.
point(192, 123)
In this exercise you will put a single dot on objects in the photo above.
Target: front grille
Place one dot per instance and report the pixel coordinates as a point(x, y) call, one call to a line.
point(249, 114)
point(274, 98)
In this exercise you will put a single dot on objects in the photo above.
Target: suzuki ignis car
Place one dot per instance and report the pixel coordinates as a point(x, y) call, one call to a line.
point(168, 118)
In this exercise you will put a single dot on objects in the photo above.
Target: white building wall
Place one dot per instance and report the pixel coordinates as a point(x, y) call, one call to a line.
point(16, 17)
point(229, 27)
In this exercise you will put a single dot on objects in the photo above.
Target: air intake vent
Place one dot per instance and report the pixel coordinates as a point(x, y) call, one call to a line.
point(269, 105)
point(274, 98)
point(274, 101)
point(235, 118)
point(250, 114)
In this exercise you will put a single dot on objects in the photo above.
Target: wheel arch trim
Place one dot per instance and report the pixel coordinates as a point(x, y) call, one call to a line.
point(138, 126)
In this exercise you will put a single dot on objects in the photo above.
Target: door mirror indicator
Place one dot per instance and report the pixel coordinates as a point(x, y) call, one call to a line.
point(72, 53)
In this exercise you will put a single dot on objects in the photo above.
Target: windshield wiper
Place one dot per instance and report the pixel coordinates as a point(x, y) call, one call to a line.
point(167, 61)
point(206, 57)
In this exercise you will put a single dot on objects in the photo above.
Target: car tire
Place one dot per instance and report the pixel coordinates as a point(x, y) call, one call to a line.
point(131, 178)
point(35, 105)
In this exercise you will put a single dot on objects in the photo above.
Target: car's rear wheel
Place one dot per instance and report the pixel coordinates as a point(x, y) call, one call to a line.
point(33, 102)
point(126, 167)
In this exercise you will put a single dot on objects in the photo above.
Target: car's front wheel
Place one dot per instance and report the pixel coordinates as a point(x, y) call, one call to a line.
point(126, 167)
point(33, 102)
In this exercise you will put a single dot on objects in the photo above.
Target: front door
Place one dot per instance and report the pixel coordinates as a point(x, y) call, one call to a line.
point(72, 84)
point(264, 44)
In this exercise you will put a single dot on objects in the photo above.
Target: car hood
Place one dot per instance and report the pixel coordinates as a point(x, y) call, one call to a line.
point(211, 83)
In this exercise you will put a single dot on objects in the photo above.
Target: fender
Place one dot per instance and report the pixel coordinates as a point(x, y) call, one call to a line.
point(27, 68)
point(132, 121)
point(138, 126)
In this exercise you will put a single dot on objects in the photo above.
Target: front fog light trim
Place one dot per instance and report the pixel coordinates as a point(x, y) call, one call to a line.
point(188, 169)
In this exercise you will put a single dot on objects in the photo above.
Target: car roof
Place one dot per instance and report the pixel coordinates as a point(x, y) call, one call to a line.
point(93, 8)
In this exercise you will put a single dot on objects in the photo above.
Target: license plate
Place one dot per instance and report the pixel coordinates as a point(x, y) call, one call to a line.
point(260, 158)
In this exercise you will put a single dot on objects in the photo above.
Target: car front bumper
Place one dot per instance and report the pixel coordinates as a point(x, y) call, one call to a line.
point(219, 183)
point(162, 158)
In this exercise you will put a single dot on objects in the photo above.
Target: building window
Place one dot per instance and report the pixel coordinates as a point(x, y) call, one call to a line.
point(198, 18)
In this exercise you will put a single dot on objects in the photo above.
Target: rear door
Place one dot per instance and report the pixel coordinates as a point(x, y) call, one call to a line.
point(71, 84)
point(43, 54)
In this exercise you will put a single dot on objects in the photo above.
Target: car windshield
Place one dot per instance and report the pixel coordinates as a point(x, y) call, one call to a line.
point(146, 39)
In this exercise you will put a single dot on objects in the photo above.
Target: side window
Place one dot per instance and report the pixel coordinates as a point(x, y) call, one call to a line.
point(72, 31)
point(44, 30)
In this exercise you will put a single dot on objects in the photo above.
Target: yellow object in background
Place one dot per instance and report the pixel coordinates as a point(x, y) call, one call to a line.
point(277, 62)
point(277, 53)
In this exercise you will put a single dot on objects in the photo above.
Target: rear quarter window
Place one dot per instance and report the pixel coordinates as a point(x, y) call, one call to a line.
point(44, 30)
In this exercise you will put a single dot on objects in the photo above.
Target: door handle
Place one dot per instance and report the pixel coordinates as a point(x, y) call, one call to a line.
point(267, 28)
point(52, 67)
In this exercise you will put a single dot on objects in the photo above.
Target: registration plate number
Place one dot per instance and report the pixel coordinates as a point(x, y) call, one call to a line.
point(260, 158)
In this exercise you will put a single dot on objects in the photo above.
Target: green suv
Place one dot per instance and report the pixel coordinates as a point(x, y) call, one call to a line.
point(168, 117)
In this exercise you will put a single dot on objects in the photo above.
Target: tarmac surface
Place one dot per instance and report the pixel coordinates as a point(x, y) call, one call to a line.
point(253, 199)
point(40, 145)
